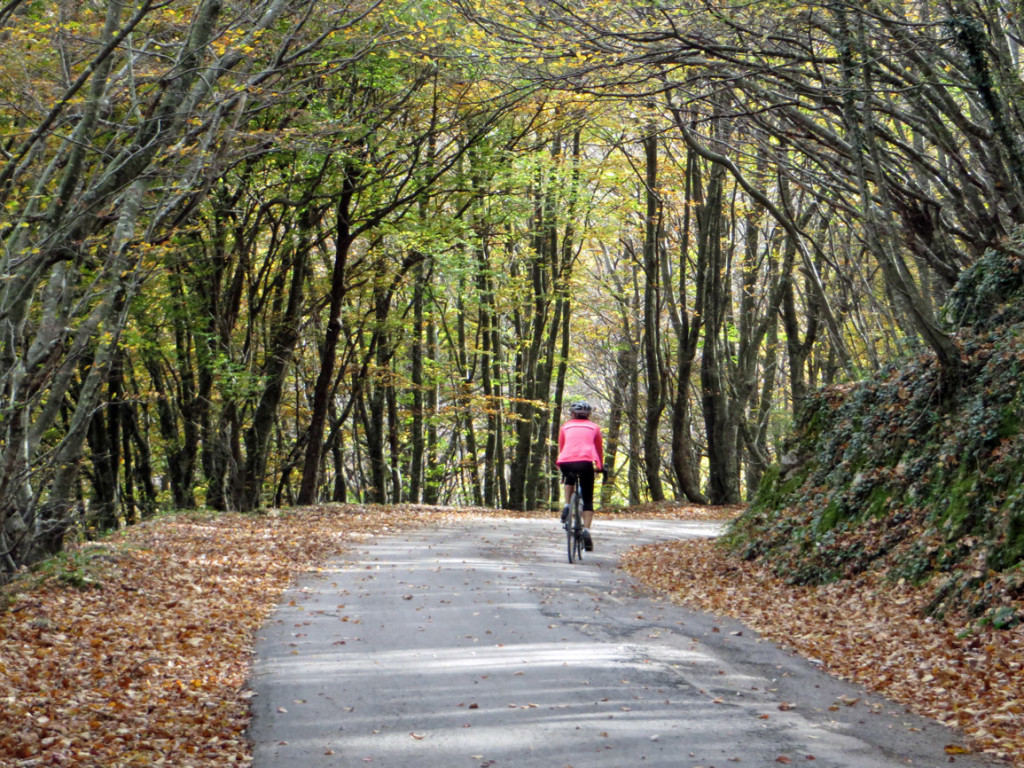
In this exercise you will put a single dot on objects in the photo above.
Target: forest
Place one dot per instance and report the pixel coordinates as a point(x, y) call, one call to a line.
point(262, 253)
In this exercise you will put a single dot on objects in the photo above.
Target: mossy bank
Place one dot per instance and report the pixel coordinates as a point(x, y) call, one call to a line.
point(910, 474)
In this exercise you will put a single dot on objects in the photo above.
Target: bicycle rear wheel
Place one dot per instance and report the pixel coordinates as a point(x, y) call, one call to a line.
point(578, 538)
point(571, 526)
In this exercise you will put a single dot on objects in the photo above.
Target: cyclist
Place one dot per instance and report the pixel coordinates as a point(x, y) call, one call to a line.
point(580, 454)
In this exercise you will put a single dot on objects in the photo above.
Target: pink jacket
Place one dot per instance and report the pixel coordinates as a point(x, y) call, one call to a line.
point(580, 440)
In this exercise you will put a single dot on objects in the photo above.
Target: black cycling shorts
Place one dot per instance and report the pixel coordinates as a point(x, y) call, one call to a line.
point(584, 470)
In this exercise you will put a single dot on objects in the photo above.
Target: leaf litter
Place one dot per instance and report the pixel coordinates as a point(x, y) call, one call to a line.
point(146, 662)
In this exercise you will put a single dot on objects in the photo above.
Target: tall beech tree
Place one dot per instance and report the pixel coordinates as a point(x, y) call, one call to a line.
point(652, 316)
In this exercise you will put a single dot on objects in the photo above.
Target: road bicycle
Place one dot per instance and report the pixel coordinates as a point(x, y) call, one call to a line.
point(573, 521)
point(573, 524)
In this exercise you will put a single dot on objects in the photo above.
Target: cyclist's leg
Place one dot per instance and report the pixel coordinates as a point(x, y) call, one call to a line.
point(569, 485)
point(587, 483)
point(587, 487)
point(570, 471)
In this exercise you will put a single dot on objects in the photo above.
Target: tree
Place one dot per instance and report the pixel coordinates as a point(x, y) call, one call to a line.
point(79, 205)
point(652, 317)
point(149, 131)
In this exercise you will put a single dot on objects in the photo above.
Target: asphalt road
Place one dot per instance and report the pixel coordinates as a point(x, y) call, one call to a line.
point(478, 645)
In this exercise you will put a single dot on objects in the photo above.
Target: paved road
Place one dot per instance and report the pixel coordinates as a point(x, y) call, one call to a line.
point(478, 645)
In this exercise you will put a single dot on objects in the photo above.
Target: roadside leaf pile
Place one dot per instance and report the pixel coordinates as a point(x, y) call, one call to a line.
point(868, 630)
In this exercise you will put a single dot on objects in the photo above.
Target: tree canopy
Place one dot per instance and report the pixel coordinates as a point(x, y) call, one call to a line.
point(290, 251)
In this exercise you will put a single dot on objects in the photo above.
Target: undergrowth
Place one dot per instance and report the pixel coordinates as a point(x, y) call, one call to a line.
point(906, 475)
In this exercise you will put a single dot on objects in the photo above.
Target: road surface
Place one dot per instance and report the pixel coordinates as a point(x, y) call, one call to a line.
point(476, 644)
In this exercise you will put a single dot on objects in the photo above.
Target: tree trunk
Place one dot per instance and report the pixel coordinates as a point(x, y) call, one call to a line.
point(417, 436)
point(343, 239)
point(685, 462)
point(555, 493)
point(432, 482)
point(719, 418)
point(883, 235)
point(624, 361)
point(635, 441)
point(104, 440)
point(279, 355)
point(527, 368)
point(652, 323)
point(371, 409)
point(58, 512)
point(490, 377)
